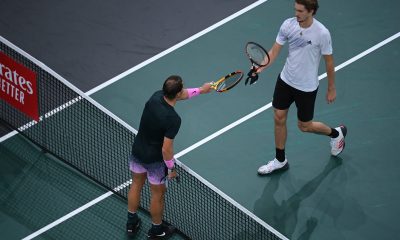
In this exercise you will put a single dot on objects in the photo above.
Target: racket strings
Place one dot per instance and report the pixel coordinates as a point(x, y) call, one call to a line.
point(229, 82)
point(257, 54)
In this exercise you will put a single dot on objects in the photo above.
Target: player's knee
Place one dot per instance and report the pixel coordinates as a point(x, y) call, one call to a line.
point(279, 119)
point(304, 127)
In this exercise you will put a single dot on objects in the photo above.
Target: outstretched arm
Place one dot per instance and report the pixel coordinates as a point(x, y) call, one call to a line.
point(191, 92)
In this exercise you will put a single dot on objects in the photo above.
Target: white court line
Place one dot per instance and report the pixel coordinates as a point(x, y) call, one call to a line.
point(69, 215)
point(221, 131)
point(148, 61)
point(7, 136)
point(198, 144)
point(173, 48)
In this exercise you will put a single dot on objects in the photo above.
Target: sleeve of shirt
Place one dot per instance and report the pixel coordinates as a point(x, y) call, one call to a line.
point(326, 43)
point(173, 127)
point(282, 37)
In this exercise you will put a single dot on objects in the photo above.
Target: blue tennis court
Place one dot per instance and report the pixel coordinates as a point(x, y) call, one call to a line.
point(225, 137)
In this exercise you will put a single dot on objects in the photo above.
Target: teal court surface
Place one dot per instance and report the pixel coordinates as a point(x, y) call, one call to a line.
point(225, 137)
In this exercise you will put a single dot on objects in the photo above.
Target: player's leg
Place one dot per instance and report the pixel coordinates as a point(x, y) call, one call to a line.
point(157, 202)
point(283, 98)
point(138, 180)
point(280, 129)
point(305, 102)
point(157, 174)
point(314, 127)
point(139, 175)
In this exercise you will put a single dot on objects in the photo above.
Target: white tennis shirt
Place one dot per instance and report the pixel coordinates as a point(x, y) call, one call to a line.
point(306, 46)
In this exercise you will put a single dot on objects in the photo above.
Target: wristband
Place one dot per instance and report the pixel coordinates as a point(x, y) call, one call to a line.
point(170, 163)
point(192, 92)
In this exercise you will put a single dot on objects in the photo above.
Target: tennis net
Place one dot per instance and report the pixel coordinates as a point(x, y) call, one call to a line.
point(80, 132)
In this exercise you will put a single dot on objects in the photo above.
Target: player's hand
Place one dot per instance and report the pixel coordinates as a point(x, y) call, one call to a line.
point(206, 88)
point(260, 69)
point(172, 174)
point(253, 72)
point(331, 95)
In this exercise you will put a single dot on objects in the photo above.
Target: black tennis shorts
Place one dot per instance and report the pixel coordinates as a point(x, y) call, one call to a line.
point(285, 95)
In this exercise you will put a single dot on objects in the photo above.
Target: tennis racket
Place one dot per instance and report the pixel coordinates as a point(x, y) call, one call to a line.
point(229, 81)
point(258, 57)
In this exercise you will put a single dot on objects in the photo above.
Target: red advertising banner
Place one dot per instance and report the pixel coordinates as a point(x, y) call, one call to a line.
point(18, 86)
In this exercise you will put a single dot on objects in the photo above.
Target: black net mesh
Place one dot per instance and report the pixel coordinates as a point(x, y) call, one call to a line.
point(76, 130)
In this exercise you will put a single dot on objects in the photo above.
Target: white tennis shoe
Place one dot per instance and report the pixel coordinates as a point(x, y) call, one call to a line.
point(338, 144)
point(273, 166)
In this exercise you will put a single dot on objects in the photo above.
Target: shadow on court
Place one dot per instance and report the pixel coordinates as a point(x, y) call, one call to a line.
point(284, 215)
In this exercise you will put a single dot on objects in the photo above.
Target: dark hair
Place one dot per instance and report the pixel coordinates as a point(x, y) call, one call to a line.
point(309, 5)
point(172, 86)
